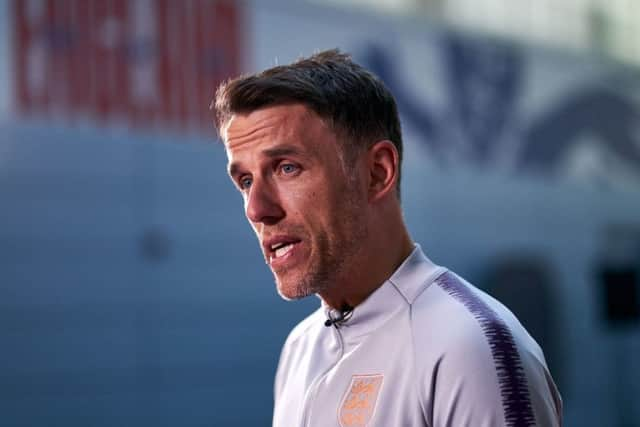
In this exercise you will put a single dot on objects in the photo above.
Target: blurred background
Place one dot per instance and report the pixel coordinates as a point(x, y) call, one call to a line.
point(132, 291)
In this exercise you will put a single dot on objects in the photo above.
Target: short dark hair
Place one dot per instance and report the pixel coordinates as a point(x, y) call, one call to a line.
point(354, 102)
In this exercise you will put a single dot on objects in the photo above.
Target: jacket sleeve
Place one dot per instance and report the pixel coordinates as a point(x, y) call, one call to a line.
point(489, 380)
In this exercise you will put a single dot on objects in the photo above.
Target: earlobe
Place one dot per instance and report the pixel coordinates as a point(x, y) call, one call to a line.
point(383, 169)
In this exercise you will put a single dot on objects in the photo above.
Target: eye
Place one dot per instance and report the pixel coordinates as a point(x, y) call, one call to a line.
point(245, 182)
point(288, 168)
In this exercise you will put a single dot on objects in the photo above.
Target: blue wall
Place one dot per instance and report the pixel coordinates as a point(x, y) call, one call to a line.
point(131, 289)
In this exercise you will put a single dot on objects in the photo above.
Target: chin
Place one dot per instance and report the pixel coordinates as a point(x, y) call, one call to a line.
point(292, 294)
point(292, 290)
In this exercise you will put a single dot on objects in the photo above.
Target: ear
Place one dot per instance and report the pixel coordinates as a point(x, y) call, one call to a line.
point(383, 162)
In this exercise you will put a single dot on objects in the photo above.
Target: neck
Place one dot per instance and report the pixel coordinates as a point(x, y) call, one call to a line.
point(387, 247)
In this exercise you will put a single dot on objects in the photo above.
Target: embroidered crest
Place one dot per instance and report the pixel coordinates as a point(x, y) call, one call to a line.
point(359, 402)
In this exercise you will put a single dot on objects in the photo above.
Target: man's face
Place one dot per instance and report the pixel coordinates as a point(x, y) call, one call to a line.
point(298, 198)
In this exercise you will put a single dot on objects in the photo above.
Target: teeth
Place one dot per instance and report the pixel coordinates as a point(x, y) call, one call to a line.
point(282, 250)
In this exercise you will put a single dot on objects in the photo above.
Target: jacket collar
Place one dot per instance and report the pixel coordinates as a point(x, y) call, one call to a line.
point(409, 280)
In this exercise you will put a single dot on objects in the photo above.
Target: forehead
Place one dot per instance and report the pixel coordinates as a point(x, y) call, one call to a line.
point(273, 123)
point(274, 130)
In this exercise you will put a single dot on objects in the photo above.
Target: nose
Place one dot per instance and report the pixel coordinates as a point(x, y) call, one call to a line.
point(262, 204)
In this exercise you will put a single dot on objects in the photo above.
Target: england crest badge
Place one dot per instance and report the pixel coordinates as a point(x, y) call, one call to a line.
point(359, 402)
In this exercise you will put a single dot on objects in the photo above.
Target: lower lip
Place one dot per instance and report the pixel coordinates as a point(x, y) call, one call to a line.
point(288, 259)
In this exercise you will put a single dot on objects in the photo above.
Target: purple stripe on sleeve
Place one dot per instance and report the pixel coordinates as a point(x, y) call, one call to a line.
point(511, 376)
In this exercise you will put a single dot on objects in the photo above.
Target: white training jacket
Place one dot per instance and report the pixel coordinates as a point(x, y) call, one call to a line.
point(425, 349)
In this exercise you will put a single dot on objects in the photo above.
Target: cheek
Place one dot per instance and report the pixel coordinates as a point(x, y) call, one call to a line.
point(301, 200)
point(315, 202)
point(311, 209)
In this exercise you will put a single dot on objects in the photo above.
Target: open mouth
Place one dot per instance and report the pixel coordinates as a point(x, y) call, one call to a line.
point(280, 248)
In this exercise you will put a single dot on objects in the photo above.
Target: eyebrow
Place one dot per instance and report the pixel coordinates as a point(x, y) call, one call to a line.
point(282, 150)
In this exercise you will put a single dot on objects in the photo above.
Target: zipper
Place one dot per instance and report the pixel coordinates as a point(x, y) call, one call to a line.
point(312, 390)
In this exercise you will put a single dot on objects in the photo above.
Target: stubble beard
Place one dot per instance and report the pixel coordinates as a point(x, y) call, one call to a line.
point(332, 254)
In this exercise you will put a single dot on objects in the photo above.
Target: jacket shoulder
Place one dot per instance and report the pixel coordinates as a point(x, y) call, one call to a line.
point(472, 352)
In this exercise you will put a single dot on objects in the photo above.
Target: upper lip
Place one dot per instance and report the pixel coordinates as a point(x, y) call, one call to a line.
point(283, 239)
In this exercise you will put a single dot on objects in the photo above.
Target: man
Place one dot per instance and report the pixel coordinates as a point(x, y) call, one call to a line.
point(315, 148)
